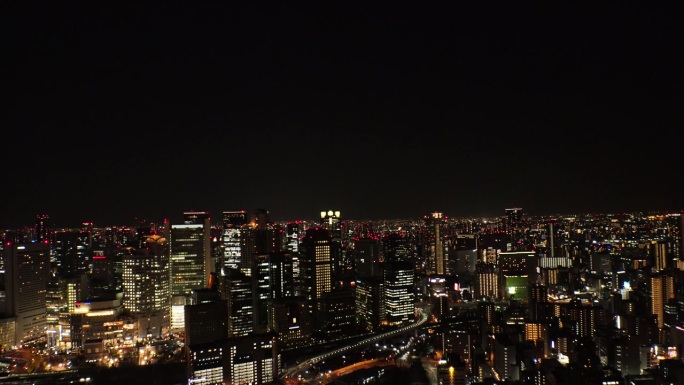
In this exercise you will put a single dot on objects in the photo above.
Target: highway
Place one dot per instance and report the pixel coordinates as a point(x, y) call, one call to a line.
point(293, 373)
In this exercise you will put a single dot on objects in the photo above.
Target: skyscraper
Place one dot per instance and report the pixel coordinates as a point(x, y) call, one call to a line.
point(435, 248)
point(272, 280)
point(398, 293)
point(42, 228)
point(190, 257)
point(236, 289)
point(26, 269)
point(147, 281)
point(316, 266)
point(232, 224)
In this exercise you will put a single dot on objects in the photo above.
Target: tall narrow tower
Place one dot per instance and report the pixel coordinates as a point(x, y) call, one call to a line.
point(316, 266)
point(190, 256)
point(26, 268)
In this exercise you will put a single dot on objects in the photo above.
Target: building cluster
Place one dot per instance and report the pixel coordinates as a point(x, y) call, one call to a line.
point(514, 298)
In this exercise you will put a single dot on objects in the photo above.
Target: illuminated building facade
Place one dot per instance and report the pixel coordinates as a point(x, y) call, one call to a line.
point(207, 363)
point(368, 297)
point(72, 252)
point(331, 221)
point(190, 257)
point(253, 359)
point(434, 251)
point(316, 266)
point(398, 295)
point(487, 279)
point(232, 224)
point(272, 280)
point(291, 320)
point(42, 228)
point(146, 278)
point(236, 289)
point(26, 271)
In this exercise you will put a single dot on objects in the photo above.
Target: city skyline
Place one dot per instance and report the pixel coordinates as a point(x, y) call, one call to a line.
point(146, 111)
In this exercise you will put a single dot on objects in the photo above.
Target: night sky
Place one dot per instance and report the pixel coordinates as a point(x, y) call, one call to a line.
point(114, 111)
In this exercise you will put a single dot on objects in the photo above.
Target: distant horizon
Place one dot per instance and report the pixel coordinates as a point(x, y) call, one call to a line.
point(316, 219)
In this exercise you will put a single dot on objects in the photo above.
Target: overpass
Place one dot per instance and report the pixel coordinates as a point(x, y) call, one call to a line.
point(293, 373)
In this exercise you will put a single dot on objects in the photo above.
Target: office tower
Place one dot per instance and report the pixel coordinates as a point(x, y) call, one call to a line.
point(259, 236)
point(232, 225)
point(316, 267)
point(26, 269)
point(368, 296)
point(147, 281)
point(292, 322)
point(331, 221)
point(252, 359)
point(583, 318)
point(107, 271)
point(236, 289)
point(658, 254)
point(195, 217)
point(190, 257)
point(397, 247)
point(295, 231)
point(538, 303)
point(368, 257)
point(205, 322)
point(463, 261)
point(435, 249)
point(42, 228)
point(398, 297)
point(513, 225)
point(505, 360)
point(72, 252)
point(337, 315)
point(272, 280)
point(206, 363)
point(487, 281)
point(661, 290)
point(459, 342)
point(517, 269)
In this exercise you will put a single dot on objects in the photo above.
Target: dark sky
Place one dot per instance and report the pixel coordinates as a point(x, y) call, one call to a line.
point(388, 110)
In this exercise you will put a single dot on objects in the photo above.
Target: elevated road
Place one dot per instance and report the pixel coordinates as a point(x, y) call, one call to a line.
point(293, 372)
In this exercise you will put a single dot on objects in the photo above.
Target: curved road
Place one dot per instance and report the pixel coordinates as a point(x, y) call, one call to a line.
point(306, 364)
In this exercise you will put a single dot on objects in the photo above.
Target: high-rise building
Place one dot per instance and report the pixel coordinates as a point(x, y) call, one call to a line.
point(368, 296)
point(661, 290)
point(487, 278)
point(368, 256)
point(398, 296)
point(190, 257)
point(331, 221)
point(292, 321)
point(435, 247)
point(316, 266)
point(232, 225)
point(236, 289)
point(42, 228)
point(397, 247)
point(259, 236)
point(26, 269)
point(72, 252)
point(206, 322)
point(206, 363)
point(295, 231)
point(253, 359)
point(147, 281)
point(338, 313)
point(272, 280)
